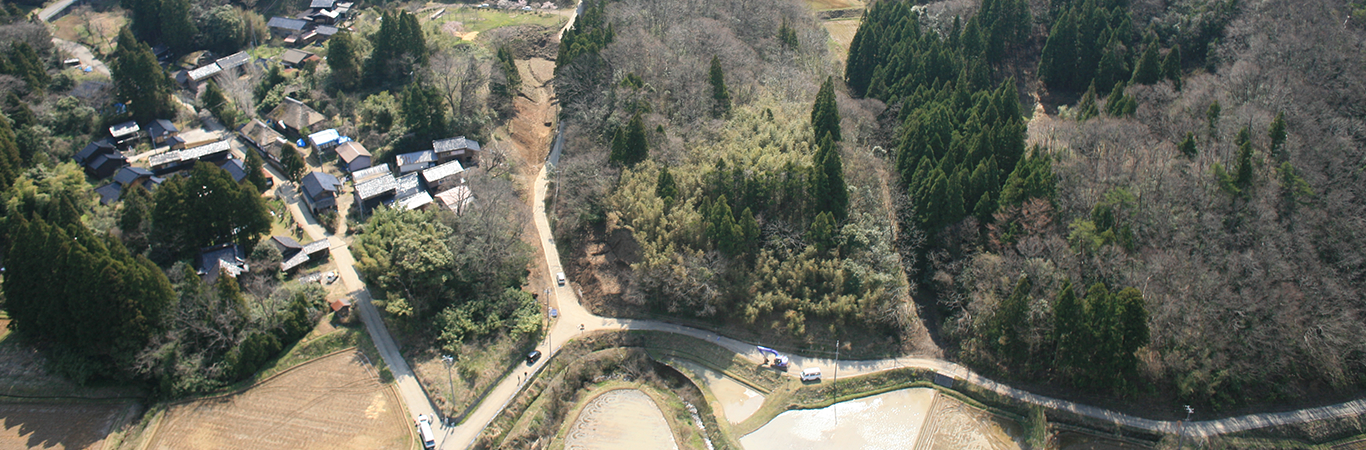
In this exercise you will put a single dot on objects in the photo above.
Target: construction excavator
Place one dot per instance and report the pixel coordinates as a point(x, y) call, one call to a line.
point(779, 361)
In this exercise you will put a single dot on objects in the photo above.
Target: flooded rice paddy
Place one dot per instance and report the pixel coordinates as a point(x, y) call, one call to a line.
point(909, 418)
point(738, 401)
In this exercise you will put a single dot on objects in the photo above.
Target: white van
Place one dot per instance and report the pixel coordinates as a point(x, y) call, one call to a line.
point(424, 431)
point(559, 278)
point(811, 374)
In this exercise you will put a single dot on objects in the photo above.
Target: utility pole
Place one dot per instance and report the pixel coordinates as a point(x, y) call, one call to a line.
point(1181, 430)
point(449, 362)
point(835, 383)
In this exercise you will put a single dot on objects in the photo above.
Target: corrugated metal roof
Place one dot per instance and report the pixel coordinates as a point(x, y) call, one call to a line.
point(455, 143)
point(385, 184)
point(425, 156)
point(415, 201)
point(363, 175)
point(233, 60)
point(287, 23)
point(440, 172)
point(204, 72)
point(124, 129)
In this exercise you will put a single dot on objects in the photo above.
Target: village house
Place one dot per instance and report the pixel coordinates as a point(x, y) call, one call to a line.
point(363, 175)
point(109, 193)
point(305, 254)
point(444, 176)
point(320, 191)
point(231, 65)
point(129, 176)
point(221, 259)
point(235, 168)
point(100, 147)
point(324, 140)
point(161, 130)
point(294, 115)
point(286, 245)
point(297, 59)
point(410, 162)
point(456, 148)
point(354, 156)
point(374, 192)
point(266, 140)
point(174, 160)
point(125, 134)
point(284, 27)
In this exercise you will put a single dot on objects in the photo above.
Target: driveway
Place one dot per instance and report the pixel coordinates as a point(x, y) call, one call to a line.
point(82, 53)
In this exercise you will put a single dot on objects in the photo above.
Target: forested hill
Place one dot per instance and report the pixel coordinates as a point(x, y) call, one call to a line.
point(1182, 215)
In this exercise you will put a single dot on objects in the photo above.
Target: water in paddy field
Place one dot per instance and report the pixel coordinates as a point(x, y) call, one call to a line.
point(909, 418)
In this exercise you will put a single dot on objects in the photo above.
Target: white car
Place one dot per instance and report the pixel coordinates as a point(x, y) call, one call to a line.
point(559, 278)
point(424, 430)
point(811, 374)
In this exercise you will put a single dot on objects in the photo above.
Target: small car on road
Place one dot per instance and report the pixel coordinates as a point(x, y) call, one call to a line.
point(811, 374)
point(532, 357)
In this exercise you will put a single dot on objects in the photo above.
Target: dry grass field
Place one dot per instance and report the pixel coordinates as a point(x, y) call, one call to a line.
point(335, 402)
point(827, 5)
point(842, 31)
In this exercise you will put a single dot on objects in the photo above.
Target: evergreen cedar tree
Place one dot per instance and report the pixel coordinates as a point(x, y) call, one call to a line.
point(730, 236)
point(11, 164)
point(828, 190)
point(512, 78)
point(629, 145)
point(207, 208)
point(139, 80)
point(217, 102)
point(1092, 41)
point(18, 111)
point(84, 293)
point(344, 60)
point(665, 188)
point(1187, 146)
point(293, 162)
point(178, 30)
point(590, 33)
point(255, 168)
point(24, 63)
point(825, 114)
point(398, 46)
point(787, 35)
point(719, 94)
point(424, 112)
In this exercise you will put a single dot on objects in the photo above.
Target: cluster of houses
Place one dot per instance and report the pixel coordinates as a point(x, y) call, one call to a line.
point(423, 179)
point(105, 157)
point(316, 24)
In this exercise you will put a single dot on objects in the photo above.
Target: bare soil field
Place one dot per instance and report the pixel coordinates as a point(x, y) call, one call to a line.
point(332, 402)
point(59, 425)
point(952, 424)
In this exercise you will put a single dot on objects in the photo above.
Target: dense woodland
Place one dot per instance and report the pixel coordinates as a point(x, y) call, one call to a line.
point(1182, 215)
point(1185, 223)
point(711, 136)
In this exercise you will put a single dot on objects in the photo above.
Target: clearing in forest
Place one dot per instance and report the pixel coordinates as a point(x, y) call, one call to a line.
point(332, 402)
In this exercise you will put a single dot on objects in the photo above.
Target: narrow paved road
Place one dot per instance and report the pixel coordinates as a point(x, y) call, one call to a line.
point(52, 10)
point(414, 397)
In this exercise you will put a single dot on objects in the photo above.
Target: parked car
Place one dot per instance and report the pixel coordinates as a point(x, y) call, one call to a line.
point(424, 431)
point(532, 357)
point(811, 374)
point(559, 278)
